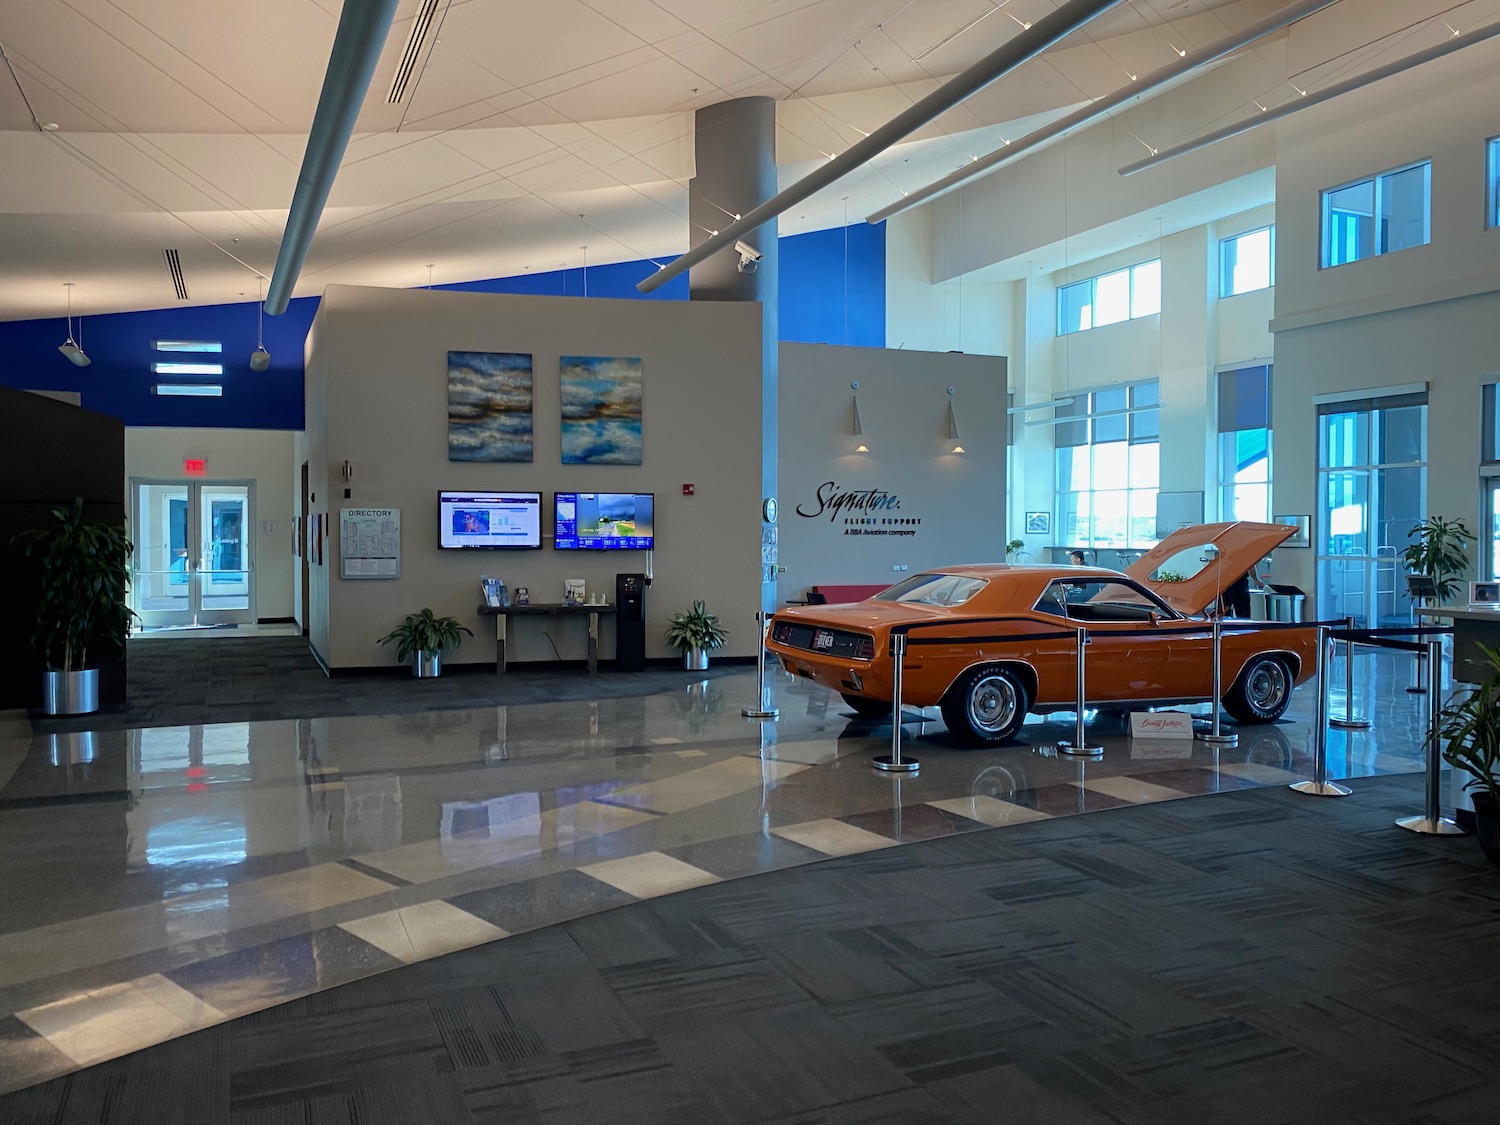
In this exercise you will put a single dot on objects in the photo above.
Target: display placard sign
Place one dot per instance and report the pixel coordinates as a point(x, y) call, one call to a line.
point(370, 541)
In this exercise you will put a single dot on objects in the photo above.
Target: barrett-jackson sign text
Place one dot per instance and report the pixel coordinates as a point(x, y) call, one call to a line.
point(868, 511)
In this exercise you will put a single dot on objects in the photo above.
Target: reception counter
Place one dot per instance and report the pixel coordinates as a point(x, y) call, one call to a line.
point(1473, 626)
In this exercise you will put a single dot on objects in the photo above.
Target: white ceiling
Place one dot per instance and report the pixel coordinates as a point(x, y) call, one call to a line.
point(531, 130)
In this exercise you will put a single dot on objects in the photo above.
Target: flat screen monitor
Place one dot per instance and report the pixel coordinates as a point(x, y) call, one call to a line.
point(604, 521)
point(490, 520)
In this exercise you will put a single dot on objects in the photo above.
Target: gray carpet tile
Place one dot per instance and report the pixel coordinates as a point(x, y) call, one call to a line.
point(1253, 957)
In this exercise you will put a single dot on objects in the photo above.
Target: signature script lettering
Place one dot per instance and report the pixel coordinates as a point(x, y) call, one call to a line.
point(832, 501)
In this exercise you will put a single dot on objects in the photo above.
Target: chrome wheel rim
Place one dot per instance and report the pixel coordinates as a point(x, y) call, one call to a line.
point(992, 704)
point(1266, 688)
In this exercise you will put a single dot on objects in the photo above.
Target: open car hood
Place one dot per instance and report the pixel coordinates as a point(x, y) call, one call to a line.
point(1208, 557)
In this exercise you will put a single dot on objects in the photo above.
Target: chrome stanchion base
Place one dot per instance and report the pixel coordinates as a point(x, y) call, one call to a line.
point(762, 713)
point(1350, 724)
point(887, 764)
point(1442, 826)
point(1222, 739)
point(1080, 751)
point(1327, 789)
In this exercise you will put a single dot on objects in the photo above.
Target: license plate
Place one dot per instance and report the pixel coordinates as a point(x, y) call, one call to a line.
point(822, 639)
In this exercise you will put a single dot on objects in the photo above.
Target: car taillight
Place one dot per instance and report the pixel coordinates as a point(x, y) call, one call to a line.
point(864, 648)
point(781, 632)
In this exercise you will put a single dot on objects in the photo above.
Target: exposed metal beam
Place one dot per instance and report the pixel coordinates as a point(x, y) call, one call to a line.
point(1029, 43)
point(1137, 89)
point(1457, 43)
point(361, 35)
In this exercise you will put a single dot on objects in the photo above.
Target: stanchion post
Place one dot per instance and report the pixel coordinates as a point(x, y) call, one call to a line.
point(760, 710)
point(1420, 687)
point(1349, 721)
point(1432, 822)
point(894, 762)
point(1215, 736)
point(1320, 786)
point(1079, 745)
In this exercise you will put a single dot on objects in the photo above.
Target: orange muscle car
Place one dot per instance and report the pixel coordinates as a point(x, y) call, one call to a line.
point(985, 687)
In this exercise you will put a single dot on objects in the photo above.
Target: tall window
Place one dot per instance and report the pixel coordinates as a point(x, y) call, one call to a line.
point(1372, 461)
point(1108, 467)
point(1247, 262)
point(1245, 444)
point(1380, 215)
point(1492, 179)
point(1110, 298)
point(1489, 481)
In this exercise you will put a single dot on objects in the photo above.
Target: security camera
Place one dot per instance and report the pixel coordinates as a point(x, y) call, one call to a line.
point(749, 256)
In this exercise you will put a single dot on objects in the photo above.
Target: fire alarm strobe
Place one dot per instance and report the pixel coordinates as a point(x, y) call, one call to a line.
point(687, 489)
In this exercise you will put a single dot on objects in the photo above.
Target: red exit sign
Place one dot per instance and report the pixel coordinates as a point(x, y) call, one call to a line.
point(194, 466)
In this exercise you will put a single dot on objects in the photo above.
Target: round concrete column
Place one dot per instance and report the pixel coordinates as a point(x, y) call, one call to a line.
point(735, 153)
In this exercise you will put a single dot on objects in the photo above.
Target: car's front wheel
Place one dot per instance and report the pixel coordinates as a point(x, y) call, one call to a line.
point(867, 708)
point(986, 705)
point(1262, 690)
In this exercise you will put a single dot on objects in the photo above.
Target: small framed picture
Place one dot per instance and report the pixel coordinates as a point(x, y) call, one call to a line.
point(573, 590)
point(522, 596)
point(1484, 593)
point(1303, 535)
point(1038, 523)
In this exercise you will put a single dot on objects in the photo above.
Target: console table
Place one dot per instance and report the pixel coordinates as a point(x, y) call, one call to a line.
point(555, 609)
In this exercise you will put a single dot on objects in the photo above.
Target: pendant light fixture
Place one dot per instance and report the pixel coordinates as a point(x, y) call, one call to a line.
point(856, 427)
point(260, 359)
point(953, 426)
point(73, 351)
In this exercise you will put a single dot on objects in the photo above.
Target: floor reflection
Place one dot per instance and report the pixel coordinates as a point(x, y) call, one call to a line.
point(242, 864)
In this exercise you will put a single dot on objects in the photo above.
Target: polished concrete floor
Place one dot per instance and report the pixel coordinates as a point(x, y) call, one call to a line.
point(164, 879)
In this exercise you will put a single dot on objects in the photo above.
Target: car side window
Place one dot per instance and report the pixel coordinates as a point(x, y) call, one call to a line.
point(1100, 599)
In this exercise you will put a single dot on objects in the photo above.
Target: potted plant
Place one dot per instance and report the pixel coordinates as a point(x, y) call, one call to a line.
point(422, 639)
point(1469, 732)
point(83, 610)
point(695, 634)
point(1440, 552)
point(1014, 550)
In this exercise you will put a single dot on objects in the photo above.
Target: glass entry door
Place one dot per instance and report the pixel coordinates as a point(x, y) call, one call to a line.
point(194, 552)
point(1373, 484)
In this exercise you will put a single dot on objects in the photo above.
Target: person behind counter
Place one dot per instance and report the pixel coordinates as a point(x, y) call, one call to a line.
point(1237, 594)
point(1075, 558)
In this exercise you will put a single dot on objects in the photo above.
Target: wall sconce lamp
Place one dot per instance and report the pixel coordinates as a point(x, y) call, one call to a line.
point(856, 427)
point(953, 426)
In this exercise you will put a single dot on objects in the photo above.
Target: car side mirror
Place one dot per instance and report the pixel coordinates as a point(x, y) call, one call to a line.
point(1155, 619)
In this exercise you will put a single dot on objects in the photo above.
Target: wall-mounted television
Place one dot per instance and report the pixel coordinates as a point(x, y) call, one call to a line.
point(604, 521)
point(490, 520)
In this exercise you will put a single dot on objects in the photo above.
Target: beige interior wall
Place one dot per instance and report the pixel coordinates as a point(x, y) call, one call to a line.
point(377, 397)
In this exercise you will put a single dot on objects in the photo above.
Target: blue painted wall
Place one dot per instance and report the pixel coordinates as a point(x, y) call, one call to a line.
point(832, 292)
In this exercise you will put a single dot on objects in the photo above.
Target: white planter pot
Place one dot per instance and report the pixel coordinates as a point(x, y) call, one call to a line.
point(426, 665)
point(695, 659)
point(70, 693)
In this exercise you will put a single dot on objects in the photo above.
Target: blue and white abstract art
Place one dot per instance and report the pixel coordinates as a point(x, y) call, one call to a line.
point(601, 410)
point(489, 406)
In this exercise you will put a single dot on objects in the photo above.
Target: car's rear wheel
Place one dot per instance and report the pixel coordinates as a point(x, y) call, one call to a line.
point(867, 708)
point(986, 705)
point(1262, 690)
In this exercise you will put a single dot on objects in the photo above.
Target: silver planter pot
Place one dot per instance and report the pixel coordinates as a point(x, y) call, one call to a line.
point(426, 665)
point(70, 693)
point(695, 659)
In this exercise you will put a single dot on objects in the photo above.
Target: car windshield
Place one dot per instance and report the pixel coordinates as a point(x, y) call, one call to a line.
point(933, 589)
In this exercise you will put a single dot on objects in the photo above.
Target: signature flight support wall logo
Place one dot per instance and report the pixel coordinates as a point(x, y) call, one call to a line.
point(866, 511)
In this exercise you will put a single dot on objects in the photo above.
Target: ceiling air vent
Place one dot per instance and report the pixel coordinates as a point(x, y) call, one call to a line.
point(174, 267)
point(420, 25)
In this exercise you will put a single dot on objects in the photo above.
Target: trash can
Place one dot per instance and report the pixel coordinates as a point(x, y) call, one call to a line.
point(1285, 603)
